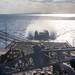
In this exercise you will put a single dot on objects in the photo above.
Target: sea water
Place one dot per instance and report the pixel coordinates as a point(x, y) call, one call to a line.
point(14, 25)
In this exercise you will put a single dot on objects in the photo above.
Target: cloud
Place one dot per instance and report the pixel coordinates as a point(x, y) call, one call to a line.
point(52, 0)
point(41, 0)
point(38, 6)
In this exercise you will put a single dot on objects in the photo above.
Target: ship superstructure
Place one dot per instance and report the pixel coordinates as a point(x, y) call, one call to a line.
point(37, 57)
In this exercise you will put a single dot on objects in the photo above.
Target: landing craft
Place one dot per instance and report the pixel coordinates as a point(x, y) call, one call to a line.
point(44, 35)
point(41, 35)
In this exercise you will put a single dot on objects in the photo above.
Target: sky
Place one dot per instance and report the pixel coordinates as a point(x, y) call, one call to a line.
point(36, 6)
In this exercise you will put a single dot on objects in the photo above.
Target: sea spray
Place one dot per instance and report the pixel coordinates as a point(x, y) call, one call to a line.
point(40, 26)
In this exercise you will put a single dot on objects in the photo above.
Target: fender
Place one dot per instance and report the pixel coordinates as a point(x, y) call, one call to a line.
point(67, 68)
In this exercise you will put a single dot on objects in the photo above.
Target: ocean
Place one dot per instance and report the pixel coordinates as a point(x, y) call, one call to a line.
point(22, 25)
point(15, 25)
